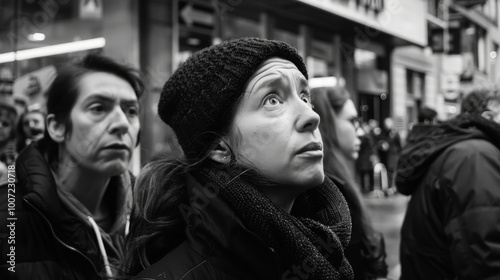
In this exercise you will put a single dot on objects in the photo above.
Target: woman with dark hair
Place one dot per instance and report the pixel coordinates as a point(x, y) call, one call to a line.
point(73, 185)
point(249, 200)
point(366, 250)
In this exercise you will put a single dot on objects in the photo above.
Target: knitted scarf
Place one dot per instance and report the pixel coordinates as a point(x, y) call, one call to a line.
point(313, 238)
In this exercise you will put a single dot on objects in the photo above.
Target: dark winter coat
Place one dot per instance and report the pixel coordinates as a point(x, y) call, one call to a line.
point(452, 225)
point(50, 241)
point(367, 151)
point(389, 147)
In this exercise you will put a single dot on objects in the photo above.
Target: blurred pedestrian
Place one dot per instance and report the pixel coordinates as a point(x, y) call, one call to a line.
point(242, 113)
point(389, 148)
point(8, 118)
point(427, 115)
point(367, 158)
point(366, 250)
point(73, 185)
point(452, 172)
point(31, 126)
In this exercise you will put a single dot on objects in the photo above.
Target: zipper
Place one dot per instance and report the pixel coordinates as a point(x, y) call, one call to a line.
point(59, 240)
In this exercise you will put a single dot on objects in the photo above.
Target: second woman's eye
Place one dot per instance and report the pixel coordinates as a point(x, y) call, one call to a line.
point(97, 108)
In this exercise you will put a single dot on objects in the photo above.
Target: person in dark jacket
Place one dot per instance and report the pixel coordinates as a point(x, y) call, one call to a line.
point(452, 172)
point(366, 250)
point(389, 148)
point(69, 209)
point(367, 158)
point(249, 200)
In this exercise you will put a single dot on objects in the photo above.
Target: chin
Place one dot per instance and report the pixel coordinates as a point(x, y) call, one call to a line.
point(312, 180)
point(115, 169)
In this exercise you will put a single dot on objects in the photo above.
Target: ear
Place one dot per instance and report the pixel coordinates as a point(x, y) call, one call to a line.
point(56, 130)
point(221, 153)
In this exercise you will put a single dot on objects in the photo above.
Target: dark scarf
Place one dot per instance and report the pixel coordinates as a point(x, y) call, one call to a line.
point(313, 239)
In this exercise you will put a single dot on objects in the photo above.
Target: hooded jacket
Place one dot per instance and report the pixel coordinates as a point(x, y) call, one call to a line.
point(52, 239)
point(452, 225)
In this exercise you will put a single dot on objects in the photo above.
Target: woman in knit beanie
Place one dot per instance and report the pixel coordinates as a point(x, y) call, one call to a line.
point(250, 199)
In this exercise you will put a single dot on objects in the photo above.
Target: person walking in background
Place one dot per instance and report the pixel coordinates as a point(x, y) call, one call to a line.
point(366, 250)
point(367, 158)
point(250, 199)
point(427, 115)
point(8, 119)
point(451, 170)
point(31, 126)
point(73, 185)
point(389, 147)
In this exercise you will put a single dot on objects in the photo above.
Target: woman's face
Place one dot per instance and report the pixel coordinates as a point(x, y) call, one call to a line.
point(275, 129)
point(346, 122)
point(5, 127)
point(105, 124)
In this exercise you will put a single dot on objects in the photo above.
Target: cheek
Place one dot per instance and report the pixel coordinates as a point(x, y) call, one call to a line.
point(347, 136)
point(261, 143)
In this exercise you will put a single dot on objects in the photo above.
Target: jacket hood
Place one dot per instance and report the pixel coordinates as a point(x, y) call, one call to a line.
point(426, 142)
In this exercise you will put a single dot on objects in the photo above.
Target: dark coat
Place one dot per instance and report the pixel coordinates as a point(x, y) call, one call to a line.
point(50, 241)
point(452, 225)
point(217, 246)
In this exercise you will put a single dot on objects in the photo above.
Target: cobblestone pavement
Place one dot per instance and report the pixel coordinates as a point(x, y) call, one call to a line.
point(387, 214)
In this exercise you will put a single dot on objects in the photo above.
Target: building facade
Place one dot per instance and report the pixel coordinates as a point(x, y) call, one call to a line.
point(373, 48)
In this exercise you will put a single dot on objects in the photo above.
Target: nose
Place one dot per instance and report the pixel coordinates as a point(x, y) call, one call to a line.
point(119, 121)
point(307, 119)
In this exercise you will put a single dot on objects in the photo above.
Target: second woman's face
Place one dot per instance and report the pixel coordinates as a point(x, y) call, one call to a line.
point(275, 129)
point(346, 123)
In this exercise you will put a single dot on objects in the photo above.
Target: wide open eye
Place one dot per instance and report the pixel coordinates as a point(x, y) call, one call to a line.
point(272, 100)
point(306, 97)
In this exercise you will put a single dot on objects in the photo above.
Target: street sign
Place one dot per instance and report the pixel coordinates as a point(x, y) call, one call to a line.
point(196, 14)
point(191, 15)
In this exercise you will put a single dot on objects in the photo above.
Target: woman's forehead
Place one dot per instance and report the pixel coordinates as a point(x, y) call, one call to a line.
point(272, 69)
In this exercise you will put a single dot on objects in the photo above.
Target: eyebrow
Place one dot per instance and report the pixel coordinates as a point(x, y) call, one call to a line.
point(111, 99)
point(278, 81)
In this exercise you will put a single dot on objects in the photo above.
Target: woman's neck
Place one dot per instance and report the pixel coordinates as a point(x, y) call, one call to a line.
point(280, 195)
point(86, 185)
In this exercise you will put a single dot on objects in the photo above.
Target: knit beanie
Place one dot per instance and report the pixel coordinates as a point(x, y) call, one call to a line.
point(199, 98)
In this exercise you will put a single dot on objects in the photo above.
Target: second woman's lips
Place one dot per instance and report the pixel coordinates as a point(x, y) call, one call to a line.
point(315, 146)
point(117, 147)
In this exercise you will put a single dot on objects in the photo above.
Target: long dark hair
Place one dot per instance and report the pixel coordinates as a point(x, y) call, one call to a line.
point(157, 224)
point(327, 103)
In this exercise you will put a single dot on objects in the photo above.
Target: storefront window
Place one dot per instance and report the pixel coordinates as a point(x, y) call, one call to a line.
point(44, 32)
point(287, 31)
point(239, 25)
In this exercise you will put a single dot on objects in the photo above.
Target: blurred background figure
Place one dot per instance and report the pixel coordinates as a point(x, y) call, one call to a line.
point(8, 118)
point(339, 120)
point(388, 147)
point(451, 229)
point(31, 126)
point(427, 115)
point(367, 158)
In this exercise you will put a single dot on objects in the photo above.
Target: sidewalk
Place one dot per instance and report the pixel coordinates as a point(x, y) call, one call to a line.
point(387, 215)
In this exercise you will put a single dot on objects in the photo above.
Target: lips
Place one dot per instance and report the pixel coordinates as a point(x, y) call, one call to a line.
point(117, 146)
point(314, 147)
